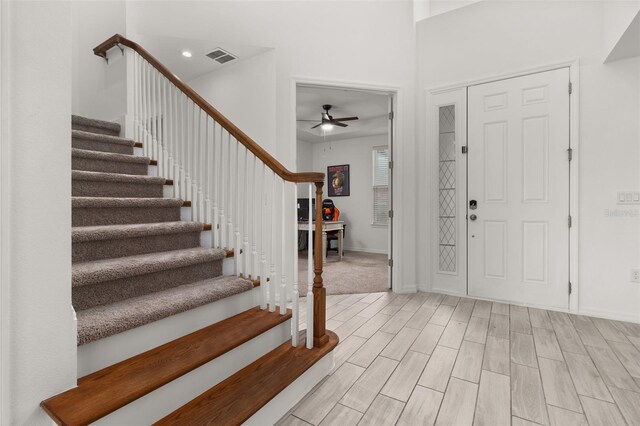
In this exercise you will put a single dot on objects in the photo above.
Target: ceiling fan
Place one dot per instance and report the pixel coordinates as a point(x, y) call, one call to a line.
point(327, 121)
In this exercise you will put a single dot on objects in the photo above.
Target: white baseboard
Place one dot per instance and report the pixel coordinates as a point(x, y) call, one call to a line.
point(279, 406)
point(609, 315)
point(405, 289)
point(365, 250)
point(449, 292)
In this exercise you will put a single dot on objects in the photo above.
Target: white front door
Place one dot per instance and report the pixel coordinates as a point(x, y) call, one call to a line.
point(518, 181)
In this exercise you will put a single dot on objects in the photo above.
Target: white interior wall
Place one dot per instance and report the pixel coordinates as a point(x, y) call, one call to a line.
point(303, 36)
point(616, 17)
point(357, 209)
point(244, 92)
point(304, 163)
point(99, 90)
point(512, 36)
point(37, 317)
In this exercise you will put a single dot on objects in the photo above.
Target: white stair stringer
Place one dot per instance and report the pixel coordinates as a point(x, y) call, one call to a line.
point(164, 400)
point(113, 349)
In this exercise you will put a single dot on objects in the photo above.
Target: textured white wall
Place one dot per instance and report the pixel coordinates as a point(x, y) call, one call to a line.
point(36, 208)
point(99, 90)
point(245, 93)
point(510, 36)
point(357, 209)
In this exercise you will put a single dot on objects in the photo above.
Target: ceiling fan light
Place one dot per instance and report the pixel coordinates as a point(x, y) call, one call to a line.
point(326, 126)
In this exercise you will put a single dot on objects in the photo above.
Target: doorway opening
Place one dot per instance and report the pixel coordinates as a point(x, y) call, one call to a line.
point(347, 134)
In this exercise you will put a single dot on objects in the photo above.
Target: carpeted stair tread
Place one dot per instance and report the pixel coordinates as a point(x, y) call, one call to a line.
point(111, 232)
point(108, 156)
point(112, 202)
point(106, 320)
point(105, 127)
point(234, 400)
point(113, 387)
point(117, 177)
point(97, 271)
point(98, 137)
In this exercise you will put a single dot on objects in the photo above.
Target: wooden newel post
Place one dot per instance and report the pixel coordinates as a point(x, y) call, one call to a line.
point(319, 292)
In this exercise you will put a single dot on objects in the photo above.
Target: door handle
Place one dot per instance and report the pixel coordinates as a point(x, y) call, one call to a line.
point(473, 217)
point(473, 204)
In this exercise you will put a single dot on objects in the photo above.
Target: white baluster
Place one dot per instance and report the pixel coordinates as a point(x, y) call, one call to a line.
point(310, 272)
point(255, 212)
point(229, 197)
point(246, 253)
point(238, 243)
point(263, 227)
point(273, 247)
point(208, 171)
point(295, 320)
point(197, 189)
point(145, 110)
point(184, 143)
point(283, 260)
point(223, 190)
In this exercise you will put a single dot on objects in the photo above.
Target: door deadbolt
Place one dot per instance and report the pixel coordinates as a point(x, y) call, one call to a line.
point(473, 204)
point(473, 217)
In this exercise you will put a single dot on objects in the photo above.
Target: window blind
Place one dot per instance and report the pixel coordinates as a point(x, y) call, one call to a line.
point(381, 196)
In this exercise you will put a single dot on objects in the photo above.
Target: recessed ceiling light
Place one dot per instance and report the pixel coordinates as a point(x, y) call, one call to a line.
point(186, 54)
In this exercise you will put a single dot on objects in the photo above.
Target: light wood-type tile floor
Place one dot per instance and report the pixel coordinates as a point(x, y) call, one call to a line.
point(428, 358)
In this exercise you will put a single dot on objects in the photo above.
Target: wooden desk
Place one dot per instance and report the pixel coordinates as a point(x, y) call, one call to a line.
point(326, 226)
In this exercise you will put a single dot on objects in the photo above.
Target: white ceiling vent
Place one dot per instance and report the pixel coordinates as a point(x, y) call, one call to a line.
point(221, 56)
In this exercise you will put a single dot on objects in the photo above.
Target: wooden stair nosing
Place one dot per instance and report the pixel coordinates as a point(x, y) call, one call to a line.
point(138, 145)
point(103, 392)
point(235, 399)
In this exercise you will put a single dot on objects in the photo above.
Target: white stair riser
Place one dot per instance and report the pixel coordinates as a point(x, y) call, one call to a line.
point(185, 214)
point(167, 191)
point(172, 396)
point(105, 352)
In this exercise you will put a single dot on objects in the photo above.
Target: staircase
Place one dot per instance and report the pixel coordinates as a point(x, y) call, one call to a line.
point(134, 260)
point(179, 262)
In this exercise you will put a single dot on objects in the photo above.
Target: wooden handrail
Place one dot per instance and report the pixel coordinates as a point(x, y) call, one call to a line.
point(320, 336)
point(287, 175)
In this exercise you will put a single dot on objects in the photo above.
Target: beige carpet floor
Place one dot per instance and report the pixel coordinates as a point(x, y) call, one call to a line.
point(358, 272)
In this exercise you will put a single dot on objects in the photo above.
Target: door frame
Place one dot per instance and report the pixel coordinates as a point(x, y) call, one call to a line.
point(395, 181)
point(574, 142)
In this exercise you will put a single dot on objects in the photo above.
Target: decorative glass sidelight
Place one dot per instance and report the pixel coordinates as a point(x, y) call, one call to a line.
point(447, 189)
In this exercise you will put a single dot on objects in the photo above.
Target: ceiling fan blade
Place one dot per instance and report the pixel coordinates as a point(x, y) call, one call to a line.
point(335, 123)
point(317, 125)
point(346, 119)
point(307, 120)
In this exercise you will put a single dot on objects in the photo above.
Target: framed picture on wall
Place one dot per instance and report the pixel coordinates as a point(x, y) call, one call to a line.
point(338, 180)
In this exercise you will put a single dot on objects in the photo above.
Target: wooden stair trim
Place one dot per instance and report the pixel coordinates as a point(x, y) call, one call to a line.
point(103, 392)
point(235, 399)
point(138, 145)
point(153, 162)
point(186, 204)
point(168, 182)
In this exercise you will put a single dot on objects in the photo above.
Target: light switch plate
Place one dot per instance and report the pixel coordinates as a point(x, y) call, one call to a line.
point(628, 197)
point(635, 275)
